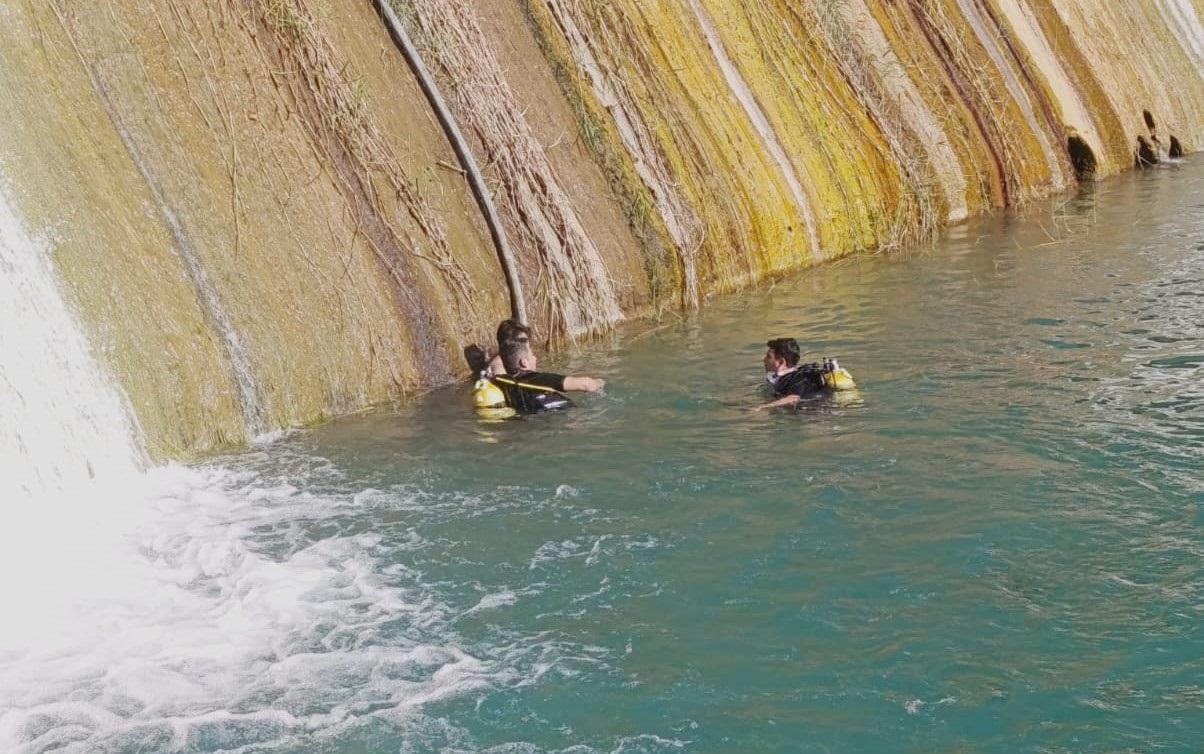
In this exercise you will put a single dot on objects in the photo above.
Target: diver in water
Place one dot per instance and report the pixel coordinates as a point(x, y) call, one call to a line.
point(789, 383)
point(792, 382)
point(528, 391)
point(481, 363)
point(508, 330)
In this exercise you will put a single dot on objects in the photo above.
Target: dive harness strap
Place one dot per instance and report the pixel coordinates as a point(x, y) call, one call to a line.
point(541, 388)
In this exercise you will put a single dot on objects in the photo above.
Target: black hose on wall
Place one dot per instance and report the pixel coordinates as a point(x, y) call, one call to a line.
point(518, 303)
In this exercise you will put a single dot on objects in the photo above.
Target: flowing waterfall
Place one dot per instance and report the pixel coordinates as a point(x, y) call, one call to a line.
point(67, 454)
point(137, 616)
point(62, 424)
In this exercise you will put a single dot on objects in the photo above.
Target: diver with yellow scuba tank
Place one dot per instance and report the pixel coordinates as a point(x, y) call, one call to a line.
point(791, 381)
point(509, 384)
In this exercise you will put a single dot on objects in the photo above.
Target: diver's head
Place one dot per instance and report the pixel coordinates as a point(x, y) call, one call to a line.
point(781, 354)
point(512, 329)
point(517, 356)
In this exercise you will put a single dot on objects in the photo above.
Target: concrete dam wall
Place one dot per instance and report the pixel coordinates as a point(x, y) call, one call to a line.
point(254, 219)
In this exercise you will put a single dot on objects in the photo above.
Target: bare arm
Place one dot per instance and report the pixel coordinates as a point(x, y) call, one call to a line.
point(786, 400)
point(583, 384)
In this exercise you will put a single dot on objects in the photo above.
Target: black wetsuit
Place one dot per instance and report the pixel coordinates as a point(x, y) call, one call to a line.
point(805, 382)
point(533, 392)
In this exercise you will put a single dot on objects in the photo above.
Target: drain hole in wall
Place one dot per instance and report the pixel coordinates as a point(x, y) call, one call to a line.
point(1081, 158)
point(1144, 155)
point(1176, 150)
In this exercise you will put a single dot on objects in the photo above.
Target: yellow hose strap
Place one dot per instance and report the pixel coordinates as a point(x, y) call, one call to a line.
point(516, 383)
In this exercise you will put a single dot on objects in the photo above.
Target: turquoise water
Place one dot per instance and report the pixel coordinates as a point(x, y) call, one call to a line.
point(996, 548)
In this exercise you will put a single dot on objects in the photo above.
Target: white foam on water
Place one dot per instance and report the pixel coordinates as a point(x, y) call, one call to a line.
point(504, 598)
point(648, 742)
point(195, 609)
point(176, 609)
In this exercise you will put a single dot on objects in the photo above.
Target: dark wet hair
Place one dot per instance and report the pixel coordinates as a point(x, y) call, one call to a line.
point(786, 349)
point(477, 358)
point(512, 329)
point(511, 351)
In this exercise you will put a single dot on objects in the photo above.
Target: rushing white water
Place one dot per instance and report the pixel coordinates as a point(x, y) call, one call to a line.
point(149, 611)
point(62, 425)
point(196, 610)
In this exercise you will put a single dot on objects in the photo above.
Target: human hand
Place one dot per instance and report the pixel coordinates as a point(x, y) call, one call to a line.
point(583, 384)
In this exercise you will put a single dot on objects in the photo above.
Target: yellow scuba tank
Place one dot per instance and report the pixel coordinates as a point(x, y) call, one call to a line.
point(837, 377)
point(489, 400)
